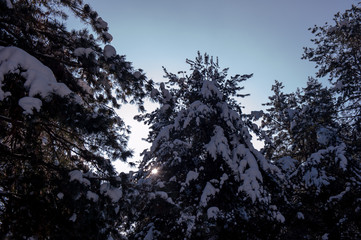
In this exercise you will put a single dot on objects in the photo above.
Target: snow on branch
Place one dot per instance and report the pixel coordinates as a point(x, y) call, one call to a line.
point(210, 90)
point(39, 79)
point(218, 145)
point(208, 192)
point(77, 175)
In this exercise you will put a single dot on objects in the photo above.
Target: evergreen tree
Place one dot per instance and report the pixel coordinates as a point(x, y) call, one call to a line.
point(58, 128)
point(328, 181)
point(300, 123)
point(211, 183)
point(276, 123)
point(323, 195)
point(337, 55)
point(323, 179)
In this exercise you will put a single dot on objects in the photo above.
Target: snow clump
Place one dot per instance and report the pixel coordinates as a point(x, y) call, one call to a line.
point(92, 196)
point(212, 212)
point(113, 193)
point(100, 23)
point(208, 192)
point(137, 74)
point(29, 103)
point(109, 51)
point(8, 4)
point(77, 175)
point(191, 176)
point(39, 79)
point(82, 51)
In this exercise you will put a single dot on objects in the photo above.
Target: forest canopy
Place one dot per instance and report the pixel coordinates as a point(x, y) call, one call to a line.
point(202, 177)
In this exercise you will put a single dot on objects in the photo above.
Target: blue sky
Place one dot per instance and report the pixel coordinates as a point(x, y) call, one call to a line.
point(264, 37)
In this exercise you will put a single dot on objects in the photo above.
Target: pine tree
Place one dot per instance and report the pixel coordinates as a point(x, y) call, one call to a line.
point(323, 196)
point(58, 128)
point(300, 123)
point(322, 177)
point(276, 123)
point(330, 178)
point(337, 55)
point(211, 183)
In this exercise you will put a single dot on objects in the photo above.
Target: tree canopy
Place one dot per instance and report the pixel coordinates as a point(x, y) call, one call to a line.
point(202, 177)
point(59, 129)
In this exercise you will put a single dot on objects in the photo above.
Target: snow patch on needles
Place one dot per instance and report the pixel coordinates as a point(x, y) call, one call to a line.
point(208, 192)
point(113, 193)
point(29, 103)
point(150, 235)
point(109, 51)
point(212, 212)
point(137, 74)
point(164, 134)
point(276, 214)
point(82, 51)
point(191, 176)
point(73, 217)
point(340, 195)
point(8, 4)
point(60, 195)
point(40, 80)
point(100, 23)
point(250, 175)
point(324, 136)
point(189, 220)
point(196, 109)
point(210, 90)
point(218, 145)
point(77, 175)
point(92, 196)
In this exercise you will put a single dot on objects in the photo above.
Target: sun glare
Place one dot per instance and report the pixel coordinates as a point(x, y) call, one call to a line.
point(154, 171)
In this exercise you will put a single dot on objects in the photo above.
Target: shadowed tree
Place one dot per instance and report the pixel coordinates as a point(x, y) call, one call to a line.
point(337, 55)
point(58, 128)
point(211, 182)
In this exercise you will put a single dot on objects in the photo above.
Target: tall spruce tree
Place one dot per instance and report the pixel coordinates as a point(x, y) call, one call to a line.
point(58, 128)
point(211, 183)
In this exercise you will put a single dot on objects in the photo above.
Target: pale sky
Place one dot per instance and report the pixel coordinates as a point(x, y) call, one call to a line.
point(263, 37)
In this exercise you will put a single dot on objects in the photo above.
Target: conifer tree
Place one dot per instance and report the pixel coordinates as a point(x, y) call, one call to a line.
point(58, 128)
point(331, 176)
point(337, 56)
point(211, 183)
point(323, 195)
point(322, 177)
point(276, 123)
point(300, 123)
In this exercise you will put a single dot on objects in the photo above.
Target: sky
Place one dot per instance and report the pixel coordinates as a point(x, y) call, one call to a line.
point(262, 37)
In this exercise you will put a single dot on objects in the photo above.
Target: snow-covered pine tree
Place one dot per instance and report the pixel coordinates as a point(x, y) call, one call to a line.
point(337, 56)
point(295, 124)
point(323, 180)
point(324, 196)
point(333, 174)
point(58, 127)
point(211, 183)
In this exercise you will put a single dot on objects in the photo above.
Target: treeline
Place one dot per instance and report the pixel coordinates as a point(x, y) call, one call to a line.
point(59, 133)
